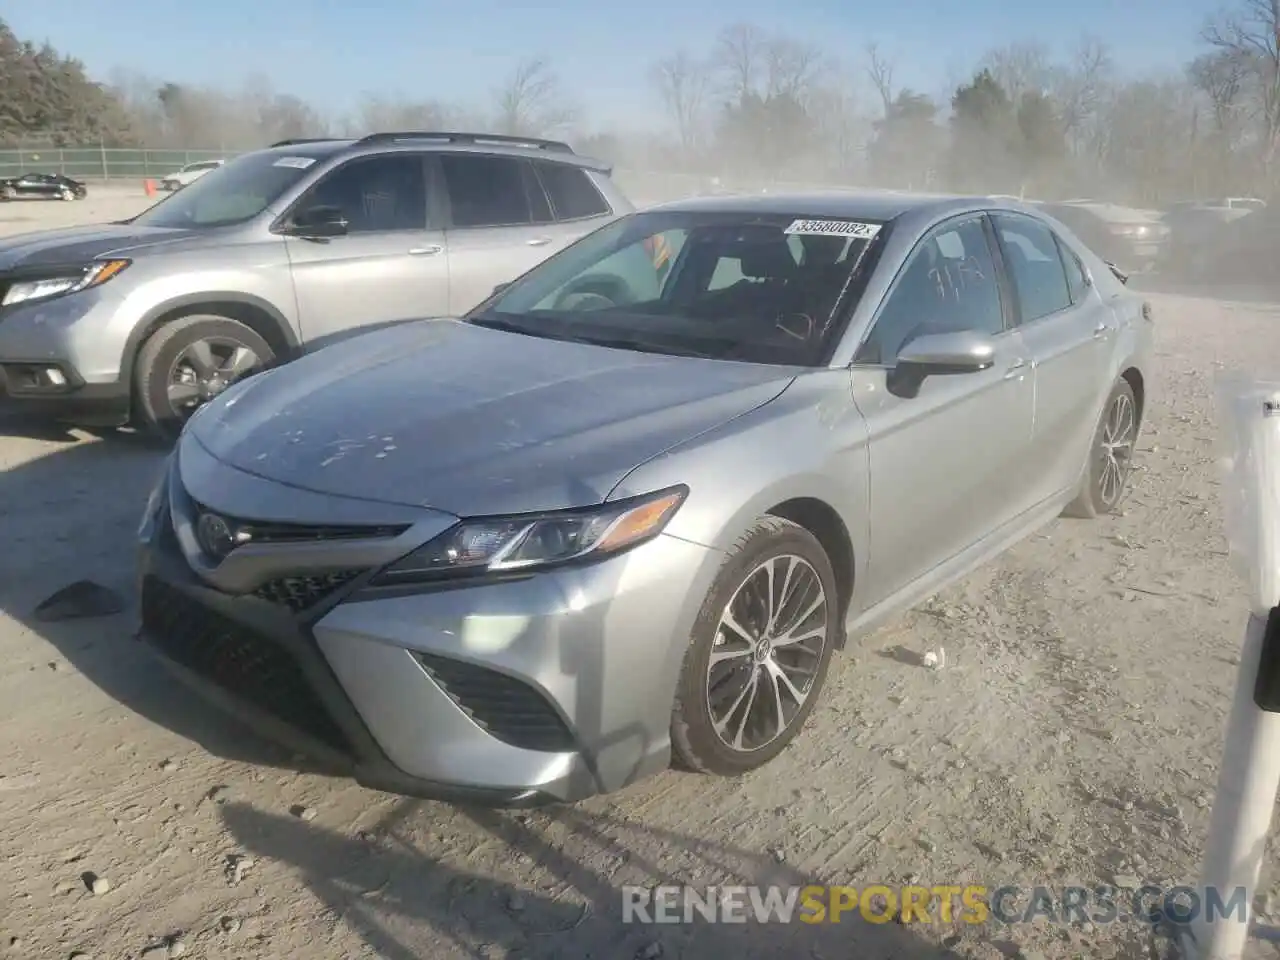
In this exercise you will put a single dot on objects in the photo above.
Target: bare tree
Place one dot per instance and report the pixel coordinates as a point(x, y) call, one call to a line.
point(1253, 35)
point(532, 102)
point(1079, 89)
point(682, 80)
point(791, 68)
point(740, 58)
point(1221, 76)
point(1019, 68)
point(880, 72)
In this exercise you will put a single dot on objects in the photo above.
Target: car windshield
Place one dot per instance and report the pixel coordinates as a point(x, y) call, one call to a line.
point(231, 193)
point(761, 288)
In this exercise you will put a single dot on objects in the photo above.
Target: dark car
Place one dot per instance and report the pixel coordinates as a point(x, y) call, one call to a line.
point(1133, 239)
point(49, 186)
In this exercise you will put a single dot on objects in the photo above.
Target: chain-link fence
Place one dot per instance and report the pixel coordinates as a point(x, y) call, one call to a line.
point(108, 164)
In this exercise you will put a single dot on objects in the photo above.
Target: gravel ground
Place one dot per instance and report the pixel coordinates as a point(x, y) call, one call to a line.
point(1072, 736)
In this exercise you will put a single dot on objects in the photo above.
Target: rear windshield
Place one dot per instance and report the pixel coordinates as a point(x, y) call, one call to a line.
point(232, 192)
point(764, 288)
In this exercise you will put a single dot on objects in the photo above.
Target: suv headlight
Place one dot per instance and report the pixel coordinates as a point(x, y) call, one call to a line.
point(534, 542)
point(58, 284)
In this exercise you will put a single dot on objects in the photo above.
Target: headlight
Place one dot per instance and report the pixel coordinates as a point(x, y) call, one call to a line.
point(94, 275)
point(534, 542)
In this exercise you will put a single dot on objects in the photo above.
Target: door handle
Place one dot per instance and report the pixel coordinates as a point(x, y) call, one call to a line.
point(1015, 369)
point(1101, 331)
point(538, 241)
point(428, 251)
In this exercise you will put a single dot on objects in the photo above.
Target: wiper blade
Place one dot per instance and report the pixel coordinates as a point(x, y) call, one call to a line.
point(496, 323)
point(645, 346)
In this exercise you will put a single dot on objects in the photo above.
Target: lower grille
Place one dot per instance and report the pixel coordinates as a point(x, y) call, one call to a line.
point(242, 661)
point(507, 709)
point(303, 592)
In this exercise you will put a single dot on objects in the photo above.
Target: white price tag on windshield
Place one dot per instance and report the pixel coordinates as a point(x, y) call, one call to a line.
point(834, 228)
point(297, 163)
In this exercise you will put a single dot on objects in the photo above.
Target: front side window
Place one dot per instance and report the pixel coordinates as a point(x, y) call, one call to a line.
point(948, 285)
point(486, 191)
point(375, 194)
point(233, 193)
point(722, 285)
point(1031, 256)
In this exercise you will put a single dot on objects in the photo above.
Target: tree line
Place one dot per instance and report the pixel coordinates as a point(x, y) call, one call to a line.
point(761, 106)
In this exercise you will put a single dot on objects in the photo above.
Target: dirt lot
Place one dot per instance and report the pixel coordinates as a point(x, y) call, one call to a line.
point(1072, 736)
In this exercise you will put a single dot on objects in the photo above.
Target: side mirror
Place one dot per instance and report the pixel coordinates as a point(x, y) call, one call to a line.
point(319, 223)
point(499, 288)
point(940, 354)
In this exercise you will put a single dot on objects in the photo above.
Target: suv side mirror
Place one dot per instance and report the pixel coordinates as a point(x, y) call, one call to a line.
point(499, 288)
point(937, 354)
point(319, 223)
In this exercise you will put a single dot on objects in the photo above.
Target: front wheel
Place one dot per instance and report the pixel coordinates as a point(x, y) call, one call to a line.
point(759, 651)
point(1106, 477)
point(188, 362)
point(66, 193)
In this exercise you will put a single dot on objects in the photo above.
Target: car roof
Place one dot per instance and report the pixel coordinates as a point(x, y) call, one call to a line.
point(872, 205)
point(321, 149)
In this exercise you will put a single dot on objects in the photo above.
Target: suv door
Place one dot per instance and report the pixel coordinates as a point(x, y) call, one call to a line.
point(391, 264)
point(947, 466)
point(507, 215)
point(1068, 332)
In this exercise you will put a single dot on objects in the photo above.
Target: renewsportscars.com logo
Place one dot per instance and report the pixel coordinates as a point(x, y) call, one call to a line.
point(968, 904)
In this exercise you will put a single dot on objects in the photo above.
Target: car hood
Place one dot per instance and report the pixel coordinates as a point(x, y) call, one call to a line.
point(473, 421)
point(80, 244)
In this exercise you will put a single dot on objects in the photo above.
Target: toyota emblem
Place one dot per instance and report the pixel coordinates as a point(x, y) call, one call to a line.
point(216, 537)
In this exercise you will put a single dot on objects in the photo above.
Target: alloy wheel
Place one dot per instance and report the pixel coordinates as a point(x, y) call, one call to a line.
point(1116, 449)
point(204, 369)
point(768, 648)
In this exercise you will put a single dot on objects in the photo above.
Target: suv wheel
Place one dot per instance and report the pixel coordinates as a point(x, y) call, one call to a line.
point(1106, 477)
point(188, 362)
point(759, 652)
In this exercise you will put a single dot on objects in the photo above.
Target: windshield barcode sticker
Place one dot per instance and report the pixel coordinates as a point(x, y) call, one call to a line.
point(834, 228)
point(297, 163)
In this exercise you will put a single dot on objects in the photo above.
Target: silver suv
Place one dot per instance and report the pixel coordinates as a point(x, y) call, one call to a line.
point(276, 253)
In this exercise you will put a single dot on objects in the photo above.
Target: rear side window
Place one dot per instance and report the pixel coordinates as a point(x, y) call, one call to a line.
point(486, 191)
point(1077, 277)
point(573, 195)
point(1031, 257)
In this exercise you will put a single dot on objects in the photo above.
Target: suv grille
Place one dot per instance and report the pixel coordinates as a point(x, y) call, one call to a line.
point(507, 709)
point(242, 661)
point(301, 592)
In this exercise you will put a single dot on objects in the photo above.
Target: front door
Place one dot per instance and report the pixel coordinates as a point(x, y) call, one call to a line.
point(392, 265)
point(1068, 332)
point(946, 465)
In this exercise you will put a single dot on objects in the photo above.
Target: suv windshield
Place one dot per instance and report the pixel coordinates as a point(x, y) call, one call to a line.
point(231, 193)
point(738, 286)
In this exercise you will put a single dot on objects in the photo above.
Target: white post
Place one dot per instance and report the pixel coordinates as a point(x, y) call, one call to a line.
point(1249, 778)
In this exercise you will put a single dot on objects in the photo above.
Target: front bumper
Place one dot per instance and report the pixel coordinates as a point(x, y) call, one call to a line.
point(64, 355)
point(550, 687)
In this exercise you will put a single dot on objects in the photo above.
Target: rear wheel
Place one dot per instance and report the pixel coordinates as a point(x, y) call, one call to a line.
point(1106, 479)
point(759, 652)
point(188, 362)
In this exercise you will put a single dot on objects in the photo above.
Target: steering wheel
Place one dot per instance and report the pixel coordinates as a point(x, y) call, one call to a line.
point(583, 300)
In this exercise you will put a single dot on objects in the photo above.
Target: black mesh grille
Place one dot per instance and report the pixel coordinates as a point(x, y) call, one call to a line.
point(300, 593)
point(509, 710)
point(243, 662)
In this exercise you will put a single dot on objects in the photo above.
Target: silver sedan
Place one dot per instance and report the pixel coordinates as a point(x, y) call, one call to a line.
point(626, 510)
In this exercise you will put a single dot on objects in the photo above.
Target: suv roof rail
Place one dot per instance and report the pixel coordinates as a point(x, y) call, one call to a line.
point(297, 141)
point(448, 137)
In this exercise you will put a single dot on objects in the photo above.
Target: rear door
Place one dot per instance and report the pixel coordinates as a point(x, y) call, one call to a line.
point(390, 266)
point(947, 465)
point(1068, 332)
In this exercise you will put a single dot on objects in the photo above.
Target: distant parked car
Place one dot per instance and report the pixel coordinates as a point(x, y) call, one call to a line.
point(1239, 251)
point(1133, 239)
point(1192, 223)
point(48, 186)
point(189, 174)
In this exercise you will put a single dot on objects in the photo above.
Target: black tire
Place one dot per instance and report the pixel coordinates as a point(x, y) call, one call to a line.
point(159, 357)
point(1095, 498)
point(696, 745)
